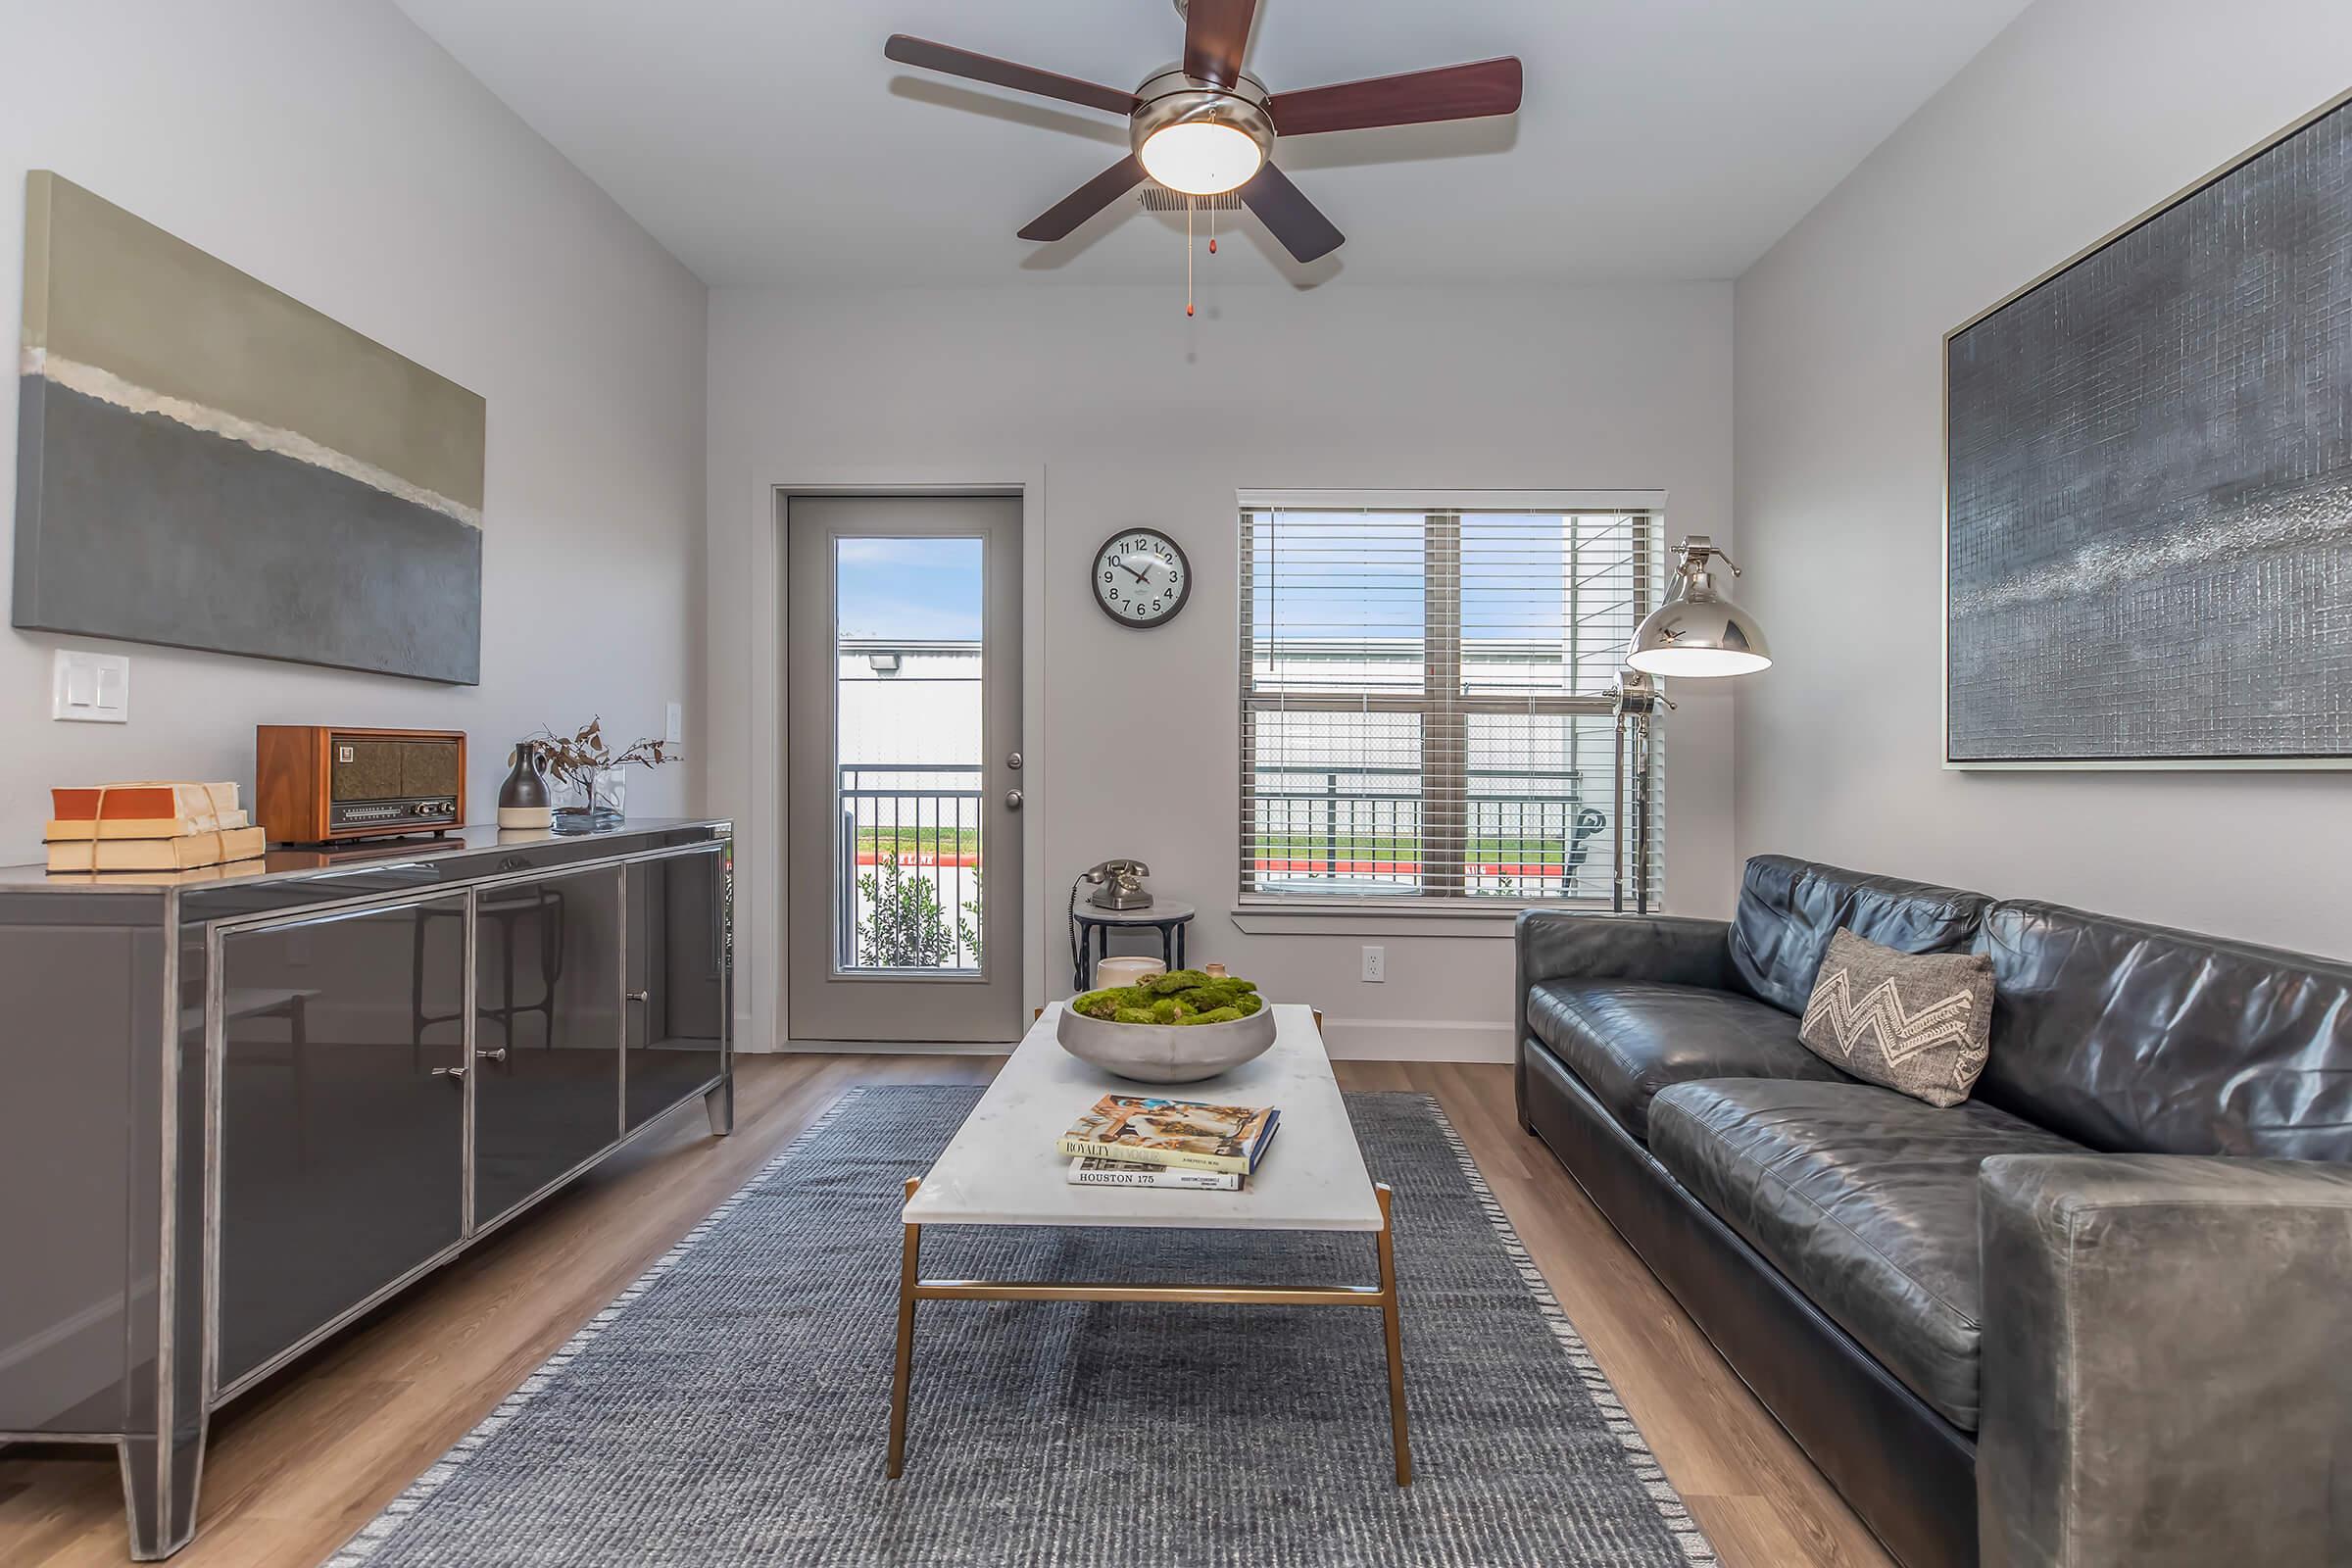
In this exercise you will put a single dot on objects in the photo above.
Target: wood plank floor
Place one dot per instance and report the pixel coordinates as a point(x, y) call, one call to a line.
point(300, 1464)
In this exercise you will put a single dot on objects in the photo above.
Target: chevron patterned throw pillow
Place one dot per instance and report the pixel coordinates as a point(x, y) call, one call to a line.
point(1915, 1022)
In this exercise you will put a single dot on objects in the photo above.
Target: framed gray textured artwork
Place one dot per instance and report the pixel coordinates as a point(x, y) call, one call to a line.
point(2148, 485)
point(206, 462)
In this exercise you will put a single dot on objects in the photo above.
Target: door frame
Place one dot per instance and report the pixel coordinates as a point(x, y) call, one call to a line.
point(762, 938)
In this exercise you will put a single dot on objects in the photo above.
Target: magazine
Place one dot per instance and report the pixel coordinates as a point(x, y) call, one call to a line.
point(1135, 1129)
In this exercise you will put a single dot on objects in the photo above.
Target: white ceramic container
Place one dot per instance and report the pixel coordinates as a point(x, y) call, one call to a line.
point(1125, 971)
point(1165, 1052)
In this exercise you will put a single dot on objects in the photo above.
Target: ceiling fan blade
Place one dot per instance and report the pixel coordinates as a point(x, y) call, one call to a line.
point(1057, 220)
point(1453, 92)
point(1215, 32)
point(997, 72)
point(1289, 217)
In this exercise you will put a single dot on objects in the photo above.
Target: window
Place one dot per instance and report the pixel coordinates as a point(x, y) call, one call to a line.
point(1428, 705)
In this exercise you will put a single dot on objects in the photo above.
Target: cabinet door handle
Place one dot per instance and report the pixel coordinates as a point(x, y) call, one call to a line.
point(499, 1055)
point(639, 996)
point(449, 1072)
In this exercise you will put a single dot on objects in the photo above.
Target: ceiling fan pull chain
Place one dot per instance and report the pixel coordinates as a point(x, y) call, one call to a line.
point(1188, 255)
point(1213, 228)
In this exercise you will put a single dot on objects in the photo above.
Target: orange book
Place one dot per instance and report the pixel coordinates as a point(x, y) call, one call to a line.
point(145, 799)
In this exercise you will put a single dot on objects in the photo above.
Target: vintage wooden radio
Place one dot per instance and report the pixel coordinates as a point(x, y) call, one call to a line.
point(319, 784)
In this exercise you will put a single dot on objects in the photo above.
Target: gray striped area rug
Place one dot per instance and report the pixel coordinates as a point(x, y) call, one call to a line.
point(732, 1406)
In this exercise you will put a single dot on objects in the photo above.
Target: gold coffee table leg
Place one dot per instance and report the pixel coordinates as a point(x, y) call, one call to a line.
point(1389, 1317)
point(905, 1374)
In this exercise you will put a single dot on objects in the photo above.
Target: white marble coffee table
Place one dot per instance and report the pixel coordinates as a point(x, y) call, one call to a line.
point(1001, 1168)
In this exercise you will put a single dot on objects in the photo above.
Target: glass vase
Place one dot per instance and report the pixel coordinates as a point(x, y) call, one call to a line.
point(591, 802)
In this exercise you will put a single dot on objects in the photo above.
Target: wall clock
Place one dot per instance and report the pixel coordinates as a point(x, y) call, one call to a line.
point(1140, 578)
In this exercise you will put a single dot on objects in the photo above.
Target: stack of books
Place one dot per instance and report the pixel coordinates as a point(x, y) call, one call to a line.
point(150, 827)
point(1140, 1141)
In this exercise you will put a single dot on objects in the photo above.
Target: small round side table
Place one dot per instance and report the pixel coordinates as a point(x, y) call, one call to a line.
point(1094, 925)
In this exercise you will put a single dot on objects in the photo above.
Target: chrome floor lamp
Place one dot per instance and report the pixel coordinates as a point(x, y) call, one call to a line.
point(1696, 632)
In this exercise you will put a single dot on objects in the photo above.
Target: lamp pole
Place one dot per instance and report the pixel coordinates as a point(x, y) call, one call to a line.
point(1639, 696)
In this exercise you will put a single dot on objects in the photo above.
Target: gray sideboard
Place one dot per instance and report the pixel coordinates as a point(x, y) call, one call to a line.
point(237, 1112)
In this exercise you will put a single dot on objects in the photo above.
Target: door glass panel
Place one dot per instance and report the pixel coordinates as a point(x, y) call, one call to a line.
point(342, 1123)
point(907, 733)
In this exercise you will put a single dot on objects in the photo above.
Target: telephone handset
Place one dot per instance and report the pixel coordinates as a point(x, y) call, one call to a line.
point(1120, 884)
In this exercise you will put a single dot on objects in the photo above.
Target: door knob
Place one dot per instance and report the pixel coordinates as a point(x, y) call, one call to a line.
point(1012, 800)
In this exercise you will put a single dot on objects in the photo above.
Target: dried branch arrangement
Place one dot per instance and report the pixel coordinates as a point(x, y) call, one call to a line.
point(579, 757)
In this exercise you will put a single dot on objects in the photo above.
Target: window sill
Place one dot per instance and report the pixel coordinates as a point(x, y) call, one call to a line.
point(1396, 917)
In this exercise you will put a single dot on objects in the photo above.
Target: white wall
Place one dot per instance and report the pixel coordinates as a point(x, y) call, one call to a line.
point(1136, 416)
point(2082, 115)
point(337, 153)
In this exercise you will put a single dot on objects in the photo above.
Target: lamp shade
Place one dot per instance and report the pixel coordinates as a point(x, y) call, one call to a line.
point(1698, 631)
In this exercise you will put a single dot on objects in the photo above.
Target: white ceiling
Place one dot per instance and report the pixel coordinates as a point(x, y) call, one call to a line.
point(767, 141)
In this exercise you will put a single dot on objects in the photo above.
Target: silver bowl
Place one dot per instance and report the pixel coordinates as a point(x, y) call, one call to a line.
point(1165, 1052)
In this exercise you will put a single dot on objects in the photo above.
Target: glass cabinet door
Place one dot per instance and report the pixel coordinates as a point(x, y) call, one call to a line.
point(677, 990)
point(342, 1116)
point(547, 1032)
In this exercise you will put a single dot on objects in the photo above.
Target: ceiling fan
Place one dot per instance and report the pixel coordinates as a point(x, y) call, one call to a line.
point(1206, 127)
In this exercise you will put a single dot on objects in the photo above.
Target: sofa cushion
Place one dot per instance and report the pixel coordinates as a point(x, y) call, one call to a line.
point(1862, 1199)
point(1788, 909)
point(2137, 1039)
point(1628, 1039)
point(1913, 1023)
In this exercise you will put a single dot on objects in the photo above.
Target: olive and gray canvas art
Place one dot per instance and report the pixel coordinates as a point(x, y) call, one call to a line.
point(207, 462)
point(2150, 486)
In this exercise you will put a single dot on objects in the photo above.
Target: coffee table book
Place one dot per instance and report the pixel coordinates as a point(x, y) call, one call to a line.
point(1086, 1171)
point(1150, 1129)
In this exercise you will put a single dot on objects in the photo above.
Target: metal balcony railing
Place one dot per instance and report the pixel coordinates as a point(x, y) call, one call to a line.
point(908, 887)
point(1523, 832)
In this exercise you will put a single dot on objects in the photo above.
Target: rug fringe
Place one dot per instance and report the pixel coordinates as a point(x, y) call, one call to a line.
point(373, 1537)
point(1688, 1537)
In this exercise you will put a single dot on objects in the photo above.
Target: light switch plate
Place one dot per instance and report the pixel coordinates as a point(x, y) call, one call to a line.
point(673, 720)
point(89, 688)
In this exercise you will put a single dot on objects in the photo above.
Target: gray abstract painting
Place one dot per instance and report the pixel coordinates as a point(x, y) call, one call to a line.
point(2150, 486)
point(204, 462)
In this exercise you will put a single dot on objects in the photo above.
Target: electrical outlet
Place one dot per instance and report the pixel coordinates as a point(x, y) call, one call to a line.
point(1376, 965)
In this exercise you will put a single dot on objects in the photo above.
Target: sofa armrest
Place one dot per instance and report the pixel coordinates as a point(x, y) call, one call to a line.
point(1559, 945)
point(2164, 1377)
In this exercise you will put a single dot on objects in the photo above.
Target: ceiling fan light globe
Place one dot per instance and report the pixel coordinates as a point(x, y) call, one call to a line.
point(1202, 157)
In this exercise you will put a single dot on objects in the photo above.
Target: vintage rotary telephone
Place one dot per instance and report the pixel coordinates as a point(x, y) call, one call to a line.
point(1121, 885)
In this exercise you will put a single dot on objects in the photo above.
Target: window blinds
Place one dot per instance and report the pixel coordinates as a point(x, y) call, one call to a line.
point(1425, 700)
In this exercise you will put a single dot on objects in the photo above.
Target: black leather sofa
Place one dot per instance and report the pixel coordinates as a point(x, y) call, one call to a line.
point(2101, 1312)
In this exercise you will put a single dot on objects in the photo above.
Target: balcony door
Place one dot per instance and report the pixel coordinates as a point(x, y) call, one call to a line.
point(902, 689)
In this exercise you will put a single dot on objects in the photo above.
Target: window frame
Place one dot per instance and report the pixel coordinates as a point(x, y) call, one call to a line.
point(1444, 902)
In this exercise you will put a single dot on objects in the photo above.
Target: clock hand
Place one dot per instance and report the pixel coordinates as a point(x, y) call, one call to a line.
point(1131, 571)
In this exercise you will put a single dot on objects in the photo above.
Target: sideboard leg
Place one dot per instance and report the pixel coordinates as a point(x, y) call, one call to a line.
point(718, 1103)
point(159, 1490)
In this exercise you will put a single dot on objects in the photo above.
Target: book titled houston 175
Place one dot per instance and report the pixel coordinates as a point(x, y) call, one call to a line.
point(1090, 1172)
point(1142, 1130)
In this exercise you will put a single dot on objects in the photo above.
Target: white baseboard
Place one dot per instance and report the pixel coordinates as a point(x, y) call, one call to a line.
point(1416, 1040)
